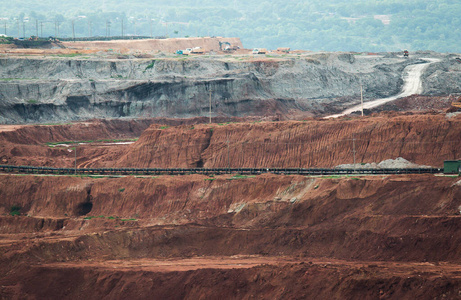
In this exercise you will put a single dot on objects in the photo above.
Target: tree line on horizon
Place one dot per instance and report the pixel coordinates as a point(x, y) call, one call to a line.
point(334, 25)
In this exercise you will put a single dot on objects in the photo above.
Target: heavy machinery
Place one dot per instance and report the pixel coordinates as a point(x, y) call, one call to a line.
point(196, 50)
point(228, 47)
point(283, 50)
point(259, 51)
point(405, 53)
point(225, 47)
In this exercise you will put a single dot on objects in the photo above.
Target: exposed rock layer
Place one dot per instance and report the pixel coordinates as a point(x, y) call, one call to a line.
point(47, 89)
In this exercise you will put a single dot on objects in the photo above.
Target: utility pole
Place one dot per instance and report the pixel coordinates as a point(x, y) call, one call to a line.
point(210, 104)
point(107, 28)
point(361, 96)
point(75, 159)
point(57, 25)
point(36, 27)
point(73, 30)
point(150, 21)
point(19, 33)
point(41, 29)
point(228, 161)
point(353, 149)
point(23, 29)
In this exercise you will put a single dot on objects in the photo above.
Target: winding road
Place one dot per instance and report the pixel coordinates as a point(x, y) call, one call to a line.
point(412, 85)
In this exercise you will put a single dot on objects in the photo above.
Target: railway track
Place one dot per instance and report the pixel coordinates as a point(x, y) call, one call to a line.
point(205, 171)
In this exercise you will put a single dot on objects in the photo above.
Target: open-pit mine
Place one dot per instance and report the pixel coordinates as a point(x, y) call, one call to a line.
point(123, 105)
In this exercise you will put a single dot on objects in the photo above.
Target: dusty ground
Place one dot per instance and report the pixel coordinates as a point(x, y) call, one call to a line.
point(201, 237)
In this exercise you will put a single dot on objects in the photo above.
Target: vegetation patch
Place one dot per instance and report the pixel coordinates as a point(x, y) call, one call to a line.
point(238, 176)
point(93, 217)
point(150, 66)
point(70, 55)
point(6, 40)
point(15, 210)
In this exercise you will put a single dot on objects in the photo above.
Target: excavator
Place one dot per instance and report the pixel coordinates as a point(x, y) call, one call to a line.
point(224, 43)
point(228, 47)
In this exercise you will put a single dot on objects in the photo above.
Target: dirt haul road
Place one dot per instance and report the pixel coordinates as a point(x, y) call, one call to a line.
point(413, 85)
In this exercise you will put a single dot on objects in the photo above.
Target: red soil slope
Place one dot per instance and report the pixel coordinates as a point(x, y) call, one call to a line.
point(293, 228)
point(422, 139)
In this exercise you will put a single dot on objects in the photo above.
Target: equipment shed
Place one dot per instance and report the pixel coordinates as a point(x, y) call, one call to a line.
point(451, 166)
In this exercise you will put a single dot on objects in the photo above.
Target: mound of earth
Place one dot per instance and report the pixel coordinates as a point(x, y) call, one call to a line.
point(398, 163)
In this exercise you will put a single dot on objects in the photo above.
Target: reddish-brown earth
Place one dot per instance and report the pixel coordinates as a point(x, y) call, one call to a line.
point(30, 144)
point(423, 139)
point(282, 236)
point(233, 237)
point(418, 103)
point(426, 139)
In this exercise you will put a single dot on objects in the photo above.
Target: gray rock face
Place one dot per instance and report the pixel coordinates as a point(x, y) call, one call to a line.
point(62, 89)
point(443, 78)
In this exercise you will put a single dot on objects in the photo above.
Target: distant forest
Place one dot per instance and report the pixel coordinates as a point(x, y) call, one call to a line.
point(330, 25)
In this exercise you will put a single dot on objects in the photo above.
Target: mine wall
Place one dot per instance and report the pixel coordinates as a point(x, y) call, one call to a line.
point(425, 140)
point(44, 90)
point(390, 218)
point(422, 139)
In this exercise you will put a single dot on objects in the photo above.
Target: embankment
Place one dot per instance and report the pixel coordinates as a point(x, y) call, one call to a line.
point(404, 218)
point(422, 139)
point(186, 237)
